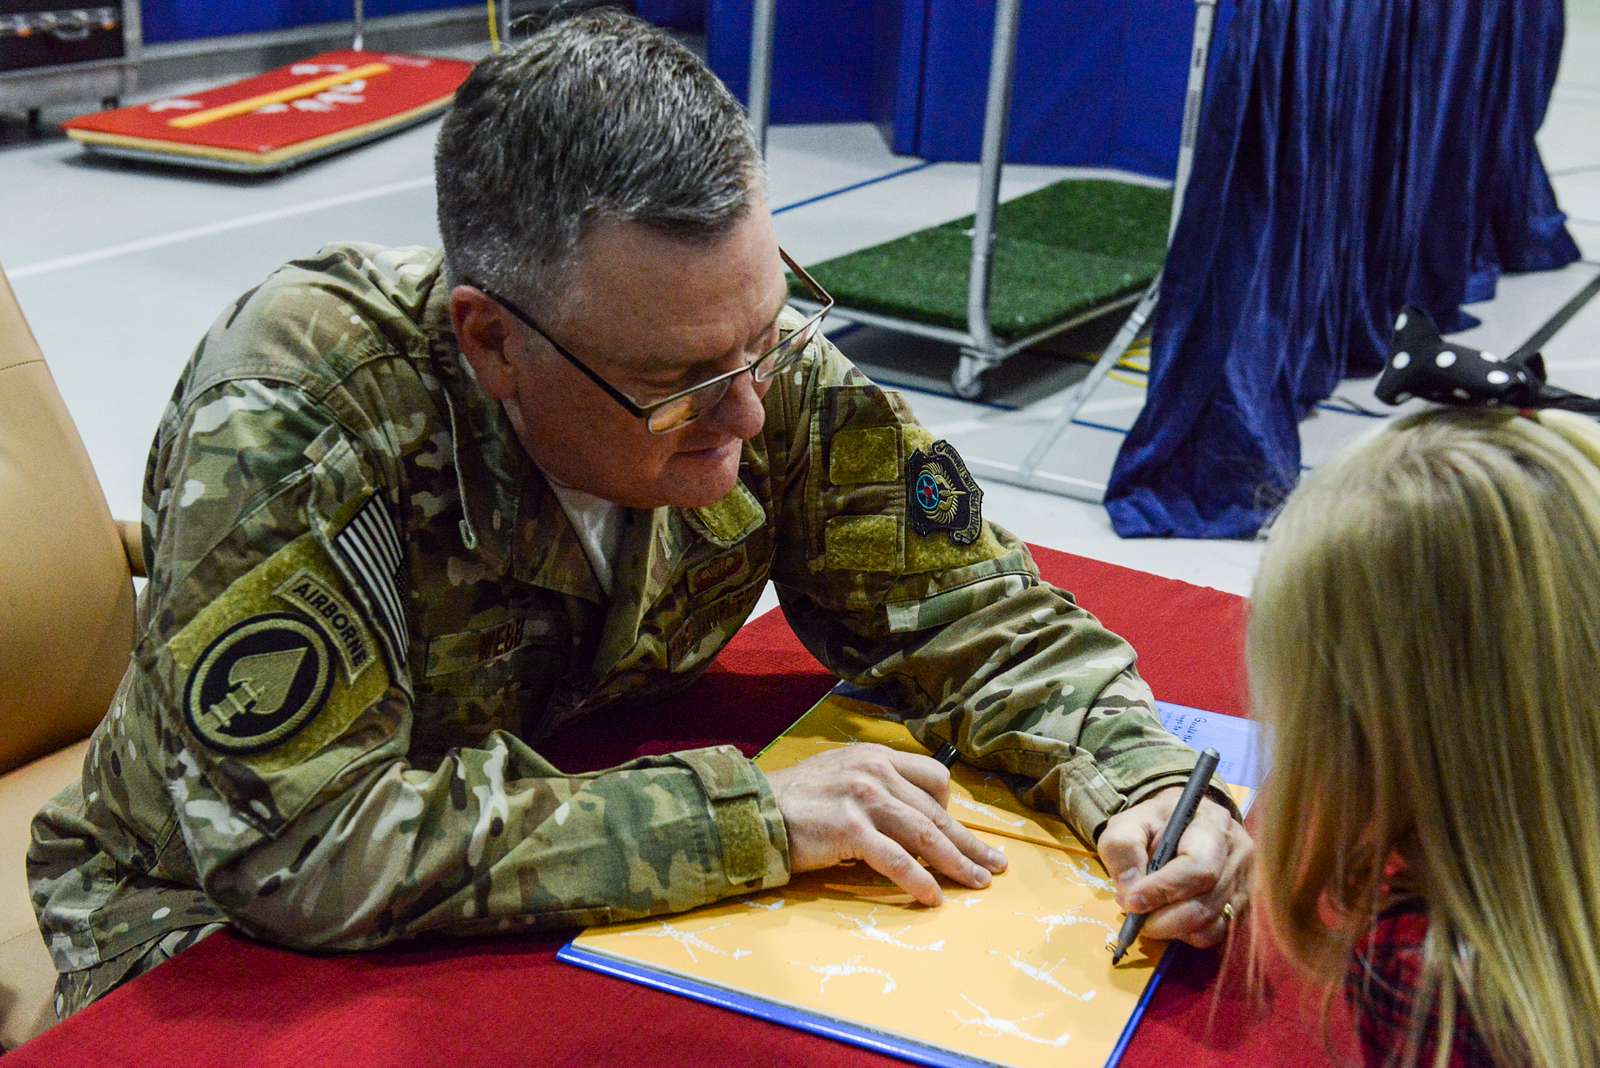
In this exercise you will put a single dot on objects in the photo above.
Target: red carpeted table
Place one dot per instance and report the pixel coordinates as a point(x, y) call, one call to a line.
point(506, 1001)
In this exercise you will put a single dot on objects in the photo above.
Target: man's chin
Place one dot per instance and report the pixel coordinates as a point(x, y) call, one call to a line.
point(701, 480)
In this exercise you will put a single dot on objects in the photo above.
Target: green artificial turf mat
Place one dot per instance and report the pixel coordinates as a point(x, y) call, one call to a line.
point(1062, 251)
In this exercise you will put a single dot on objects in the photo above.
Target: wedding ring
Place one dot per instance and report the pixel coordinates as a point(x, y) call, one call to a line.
point(1227, 912)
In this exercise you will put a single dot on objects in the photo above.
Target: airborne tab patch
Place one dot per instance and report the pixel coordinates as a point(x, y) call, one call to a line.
point(258, 683)
point(319, 599)
point(942, 495)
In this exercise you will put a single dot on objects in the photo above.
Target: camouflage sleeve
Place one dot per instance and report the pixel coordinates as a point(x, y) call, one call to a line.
point(275, 657)
point(892, 578)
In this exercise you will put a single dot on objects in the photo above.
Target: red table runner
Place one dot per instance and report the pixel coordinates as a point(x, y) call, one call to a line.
point(504, 1001)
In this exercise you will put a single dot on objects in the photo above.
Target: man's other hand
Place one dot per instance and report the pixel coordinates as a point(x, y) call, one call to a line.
point(1184, 899)
point(887, 808)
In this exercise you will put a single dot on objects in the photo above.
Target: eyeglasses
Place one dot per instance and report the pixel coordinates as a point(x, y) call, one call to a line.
point(685, 406)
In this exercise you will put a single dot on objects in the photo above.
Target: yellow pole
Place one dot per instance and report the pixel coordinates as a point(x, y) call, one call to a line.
point(294, 92)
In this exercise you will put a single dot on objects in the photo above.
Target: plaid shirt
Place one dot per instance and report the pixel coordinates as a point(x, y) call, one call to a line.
point(1382, 979)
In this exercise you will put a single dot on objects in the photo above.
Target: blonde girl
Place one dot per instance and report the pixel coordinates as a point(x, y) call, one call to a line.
point(1424, 645)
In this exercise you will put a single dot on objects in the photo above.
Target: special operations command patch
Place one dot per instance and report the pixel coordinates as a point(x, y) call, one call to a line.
point(942, 495)
point(258, 683)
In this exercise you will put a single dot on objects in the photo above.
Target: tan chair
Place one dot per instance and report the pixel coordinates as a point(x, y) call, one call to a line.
point(66, 629)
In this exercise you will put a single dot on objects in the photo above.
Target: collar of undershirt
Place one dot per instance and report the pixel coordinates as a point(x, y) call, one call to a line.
point(598, 524)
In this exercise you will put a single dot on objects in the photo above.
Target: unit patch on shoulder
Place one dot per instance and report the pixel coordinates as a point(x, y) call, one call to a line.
point(258, 683)
point(942, 495)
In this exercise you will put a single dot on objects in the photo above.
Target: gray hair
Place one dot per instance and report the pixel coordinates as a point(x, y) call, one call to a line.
point(596, 118)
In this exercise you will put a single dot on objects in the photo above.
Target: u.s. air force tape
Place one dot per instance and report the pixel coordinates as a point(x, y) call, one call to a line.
point(258, 683)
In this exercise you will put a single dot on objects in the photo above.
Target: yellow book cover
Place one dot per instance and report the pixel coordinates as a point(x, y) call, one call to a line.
point(1016, 973)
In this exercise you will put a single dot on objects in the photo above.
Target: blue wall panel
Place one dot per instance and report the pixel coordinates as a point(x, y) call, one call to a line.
point(1095, 83)
point(686, 15)
point(898, 45)
point(822, 65)
point(186, 20)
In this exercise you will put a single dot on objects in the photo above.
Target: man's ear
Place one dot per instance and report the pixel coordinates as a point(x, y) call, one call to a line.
point(485, 340)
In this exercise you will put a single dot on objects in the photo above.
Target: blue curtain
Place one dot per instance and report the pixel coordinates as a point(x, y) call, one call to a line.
point(1354, 156)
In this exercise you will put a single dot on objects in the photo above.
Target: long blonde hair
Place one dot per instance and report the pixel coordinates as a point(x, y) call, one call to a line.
point(1424, 646)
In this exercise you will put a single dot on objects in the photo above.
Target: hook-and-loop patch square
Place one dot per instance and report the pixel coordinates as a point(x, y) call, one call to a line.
point(281, 663)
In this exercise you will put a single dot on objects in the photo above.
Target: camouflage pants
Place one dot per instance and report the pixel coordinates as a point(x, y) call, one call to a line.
point(76, 989)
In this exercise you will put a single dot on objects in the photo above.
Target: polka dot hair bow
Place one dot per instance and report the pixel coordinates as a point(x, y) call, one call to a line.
point(1423, 364)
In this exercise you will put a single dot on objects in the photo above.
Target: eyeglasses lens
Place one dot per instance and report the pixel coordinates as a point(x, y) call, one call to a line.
point(686, 409)
point(787, 352)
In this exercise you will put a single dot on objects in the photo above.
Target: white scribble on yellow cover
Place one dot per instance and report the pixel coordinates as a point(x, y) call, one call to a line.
point(1045, 975)
point(765, 906)
point(835, 737)
point(1079, 870)
point(985, 810)
point(689, 940)
point(1010, 1028)
point(867, 927)
point(849, 967)
point(1067, 919)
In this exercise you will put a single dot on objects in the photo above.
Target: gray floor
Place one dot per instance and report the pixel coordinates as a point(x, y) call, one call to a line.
point(121, 268)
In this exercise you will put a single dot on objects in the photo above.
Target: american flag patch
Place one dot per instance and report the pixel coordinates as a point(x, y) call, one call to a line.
point(370, 547)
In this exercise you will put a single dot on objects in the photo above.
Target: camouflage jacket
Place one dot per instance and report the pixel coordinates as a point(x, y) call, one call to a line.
point(366, 606)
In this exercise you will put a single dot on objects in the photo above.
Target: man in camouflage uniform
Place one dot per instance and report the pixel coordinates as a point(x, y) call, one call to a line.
point(397, 532)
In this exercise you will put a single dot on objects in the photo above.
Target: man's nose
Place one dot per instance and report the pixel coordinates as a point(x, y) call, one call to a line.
point(740, 412)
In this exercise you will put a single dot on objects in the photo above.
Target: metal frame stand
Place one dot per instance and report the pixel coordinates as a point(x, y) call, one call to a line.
point(1204, 18)
point(980, 350)
point(760, 94)
point(986, 352)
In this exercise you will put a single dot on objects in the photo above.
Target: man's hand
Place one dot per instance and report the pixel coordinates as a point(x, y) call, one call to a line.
point(868, 802)
point(1185, 898)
